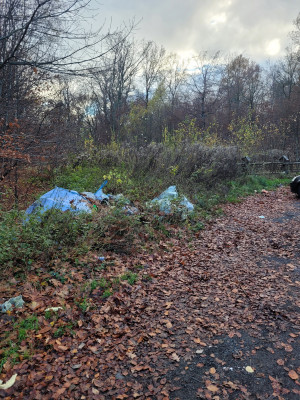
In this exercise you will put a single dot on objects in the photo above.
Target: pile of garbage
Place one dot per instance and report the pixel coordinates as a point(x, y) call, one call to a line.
point(67, 200)
point(70, 200)
point(17, 302)
point(170, 199)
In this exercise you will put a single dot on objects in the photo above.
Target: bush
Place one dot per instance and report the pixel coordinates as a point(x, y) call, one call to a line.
point(42, 237)
point(146, 171)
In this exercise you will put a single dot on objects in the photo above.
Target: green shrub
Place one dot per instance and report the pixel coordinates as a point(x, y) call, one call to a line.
point(41, 237)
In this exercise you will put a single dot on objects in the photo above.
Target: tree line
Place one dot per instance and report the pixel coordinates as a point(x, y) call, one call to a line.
point(64, 89)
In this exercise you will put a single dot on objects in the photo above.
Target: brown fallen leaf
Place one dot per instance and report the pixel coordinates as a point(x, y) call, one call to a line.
point(62, 348)
point(231, 385)
point(169, 325)
point(280, 361)
point(198, 341)
point(212, 388)
point(293, 374)
point(175, 357)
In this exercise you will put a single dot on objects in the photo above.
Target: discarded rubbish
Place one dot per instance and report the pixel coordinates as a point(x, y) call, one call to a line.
point(17, 302)
point(164, 201)
point(101, 258)
point(130, 210)
point(67, 200)
point(54, 309)
point(70, 200)
point(262, 217)
point(295, 185)
point(9, 383)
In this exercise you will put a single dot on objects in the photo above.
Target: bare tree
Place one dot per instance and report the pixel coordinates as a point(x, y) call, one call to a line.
point(152, 67)
point(113, 83)
point(240, 85)
point(40, 38)
point(205, 81)
point(49, 35)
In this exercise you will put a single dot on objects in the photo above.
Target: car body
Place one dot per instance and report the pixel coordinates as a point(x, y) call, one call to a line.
point(295, 185)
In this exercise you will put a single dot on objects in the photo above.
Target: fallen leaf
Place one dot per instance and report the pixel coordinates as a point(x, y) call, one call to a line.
point(168, 324)
point(212, 388)
point(212, 370)
point(175, 357)
point(293, 374)
point(249, 369)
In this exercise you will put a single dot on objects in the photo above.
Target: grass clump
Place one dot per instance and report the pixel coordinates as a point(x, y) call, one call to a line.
point(28, 324)
point(130, 277)
point(11, 345)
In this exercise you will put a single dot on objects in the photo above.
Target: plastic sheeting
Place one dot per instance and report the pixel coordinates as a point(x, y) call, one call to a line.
point(67, 200)
point(164, 201)
point(13, 302)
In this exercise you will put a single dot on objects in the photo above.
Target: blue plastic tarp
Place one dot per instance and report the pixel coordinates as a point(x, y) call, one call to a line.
point(66, 200)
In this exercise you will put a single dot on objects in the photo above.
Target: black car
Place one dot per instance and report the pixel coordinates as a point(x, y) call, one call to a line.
point(295, 185)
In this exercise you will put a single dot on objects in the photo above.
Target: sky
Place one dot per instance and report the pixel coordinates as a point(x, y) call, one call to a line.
point(255, 28)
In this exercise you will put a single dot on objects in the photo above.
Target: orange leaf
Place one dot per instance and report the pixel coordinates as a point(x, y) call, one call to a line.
point(293, 374)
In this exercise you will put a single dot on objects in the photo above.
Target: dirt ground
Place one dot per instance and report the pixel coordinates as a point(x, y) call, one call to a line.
point(216, 317)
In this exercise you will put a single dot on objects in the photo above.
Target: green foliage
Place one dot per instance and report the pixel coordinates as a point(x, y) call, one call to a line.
point(130, 277)
point(9, 353)
point(81, 178)
point(41, 237)
point(246, 133)
point(28, 324)
point(117, 179)
point(64, 330)
point(107, 293)
point(142, 120)
point(188, 132)
point(83, 304)
point(250, 184)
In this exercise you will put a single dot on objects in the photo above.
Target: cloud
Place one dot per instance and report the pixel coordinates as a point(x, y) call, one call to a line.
point(258, 29)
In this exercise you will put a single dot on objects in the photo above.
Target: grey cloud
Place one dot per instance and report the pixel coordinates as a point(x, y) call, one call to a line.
point(194, 25)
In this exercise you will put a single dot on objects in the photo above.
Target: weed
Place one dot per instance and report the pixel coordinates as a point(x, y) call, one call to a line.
point(197, 226)
point(130, 277)
point(28, 324)
point(116, 282)
point(94, 285)
point(14, 352)
point(103, 283)
point(64, 330)
point(48, 314)
point(10, 353)
point(83, 304)
point(107, 293)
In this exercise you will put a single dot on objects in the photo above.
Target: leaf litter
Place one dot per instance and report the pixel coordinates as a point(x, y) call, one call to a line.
point(141, 339)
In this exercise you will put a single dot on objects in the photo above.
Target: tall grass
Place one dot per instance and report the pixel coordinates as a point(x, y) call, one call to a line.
point(145, 171)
